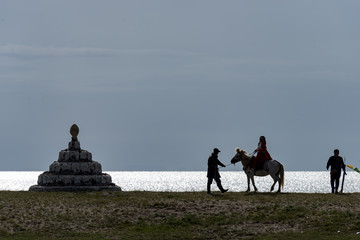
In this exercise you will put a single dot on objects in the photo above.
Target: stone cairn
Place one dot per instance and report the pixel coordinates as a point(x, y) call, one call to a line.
point(74, 171)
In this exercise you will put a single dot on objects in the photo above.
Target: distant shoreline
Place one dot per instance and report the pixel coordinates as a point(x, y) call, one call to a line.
point(195, 181)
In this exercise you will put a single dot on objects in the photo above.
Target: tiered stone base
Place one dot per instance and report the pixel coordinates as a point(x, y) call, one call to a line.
point(74, 171)
point(50, 179)
point(38, 188)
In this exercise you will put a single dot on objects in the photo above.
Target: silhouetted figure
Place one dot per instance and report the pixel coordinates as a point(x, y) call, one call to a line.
point(262, 155)
point(213, 171)
point(336, 163)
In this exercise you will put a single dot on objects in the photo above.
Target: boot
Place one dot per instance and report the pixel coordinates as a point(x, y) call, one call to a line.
point(224, 190)
point(208, 189)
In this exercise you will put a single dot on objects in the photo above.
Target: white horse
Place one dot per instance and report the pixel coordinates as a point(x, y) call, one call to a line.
point(274, 168)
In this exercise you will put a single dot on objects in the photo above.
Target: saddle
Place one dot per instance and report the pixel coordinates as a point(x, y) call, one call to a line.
point(259, 165)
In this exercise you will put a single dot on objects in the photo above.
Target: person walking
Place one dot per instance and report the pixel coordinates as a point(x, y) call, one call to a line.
point(336, 163)
point(213, 171)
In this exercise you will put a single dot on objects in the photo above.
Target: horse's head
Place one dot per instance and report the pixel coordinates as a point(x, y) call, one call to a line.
point(238, 156)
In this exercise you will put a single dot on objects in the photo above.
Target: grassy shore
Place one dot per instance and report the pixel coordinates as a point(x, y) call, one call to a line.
point(191, 215)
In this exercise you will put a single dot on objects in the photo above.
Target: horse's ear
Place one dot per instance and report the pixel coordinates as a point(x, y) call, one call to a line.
point(237, 150)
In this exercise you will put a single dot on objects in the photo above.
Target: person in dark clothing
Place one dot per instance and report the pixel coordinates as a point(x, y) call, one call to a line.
point(336, 163)
point(213, 171)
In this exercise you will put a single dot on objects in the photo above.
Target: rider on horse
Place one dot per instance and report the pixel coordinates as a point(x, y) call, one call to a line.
point(262, 156)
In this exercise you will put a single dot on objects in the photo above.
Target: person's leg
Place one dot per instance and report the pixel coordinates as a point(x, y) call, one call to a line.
point(332, 182)
point(208, 185)
point(218, 182)
point(337, 180)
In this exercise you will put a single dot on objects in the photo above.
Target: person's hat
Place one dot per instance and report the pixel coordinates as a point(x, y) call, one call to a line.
point(216, 150)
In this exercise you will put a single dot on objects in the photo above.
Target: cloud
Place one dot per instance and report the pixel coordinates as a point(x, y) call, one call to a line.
point(24, 50)
point(51, 51)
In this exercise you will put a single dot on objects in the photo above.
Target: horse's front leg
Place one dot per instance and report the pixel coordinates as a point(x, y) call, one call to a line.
point(253, 182)
point(248, 182)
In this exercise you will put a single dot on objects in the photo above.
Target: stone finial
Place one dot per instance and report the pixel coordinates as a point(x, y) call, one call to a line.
point(74, 131)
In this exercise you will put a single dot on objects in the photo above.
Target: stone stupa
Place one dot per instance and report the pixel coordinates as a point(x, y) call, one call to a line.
point(74, 171)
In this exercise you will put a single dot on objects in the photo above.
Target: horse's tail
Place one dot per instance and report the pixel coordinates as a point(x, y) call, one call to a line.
point(282, 175)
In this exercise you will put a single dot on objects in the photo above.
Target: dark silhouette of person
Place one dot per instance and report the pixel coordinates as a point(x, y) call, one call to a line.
point(213, 171)
point(262, 154)
point(336, 163)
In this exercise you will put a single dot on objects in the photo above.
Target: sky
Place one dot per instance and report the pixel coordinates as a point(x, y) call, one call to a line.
point(156, 85)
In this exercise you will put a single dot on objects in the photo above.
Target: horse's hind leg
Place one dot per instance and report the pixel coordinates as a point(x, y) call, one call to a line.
point(272, 187)
point(276, 179)
point(279, 190)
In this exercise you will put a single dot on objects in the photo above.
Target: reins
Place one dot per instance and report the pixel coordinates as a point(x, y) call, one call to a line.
point(227, 165)
point(252, 154)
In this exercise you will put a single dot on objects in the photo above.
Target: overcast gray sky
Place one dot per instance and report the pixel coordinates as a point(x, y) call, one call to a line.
point(156, 85)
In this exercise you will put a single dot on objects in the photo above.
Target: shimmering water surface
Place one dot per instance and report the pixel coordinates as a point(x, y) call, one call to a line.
point(295, 181)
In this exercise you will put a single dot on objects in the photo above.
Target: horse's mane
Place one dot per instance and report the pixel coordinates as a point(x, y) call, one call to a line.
point(238, 150)
point(242, 152)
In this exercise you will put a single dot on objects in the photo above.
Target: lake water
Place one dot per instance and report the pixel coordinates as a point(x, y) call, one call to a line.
point(173, 181)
